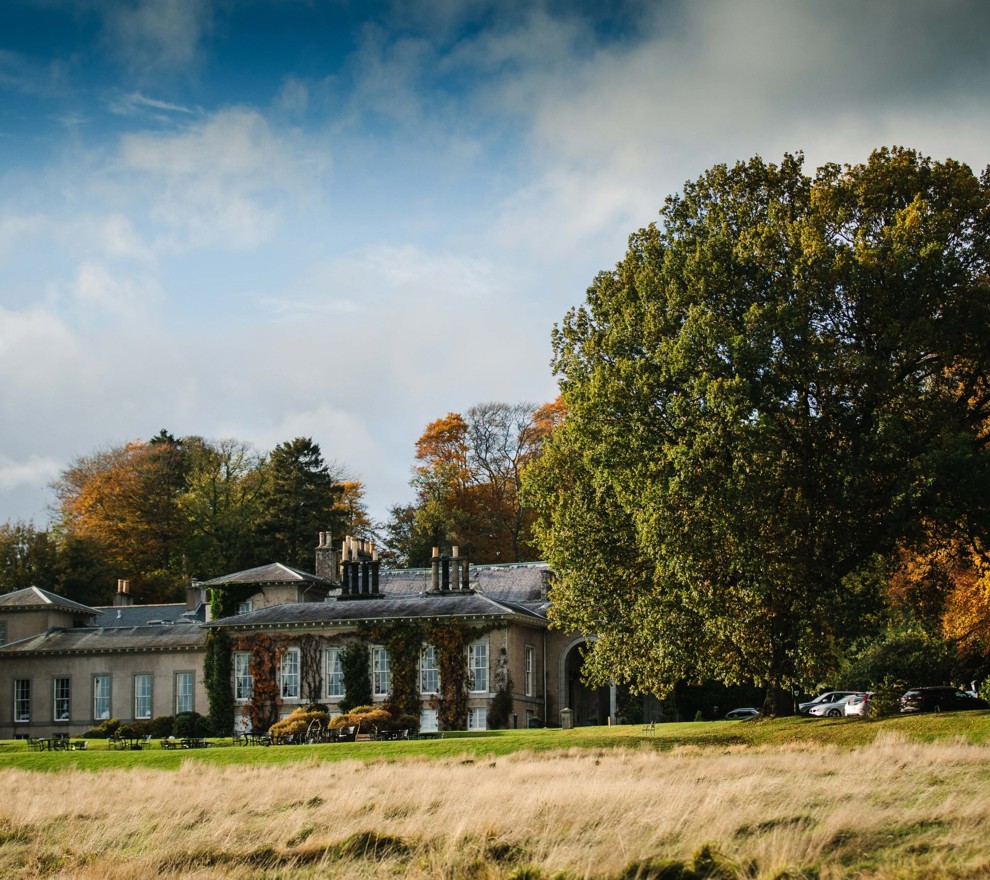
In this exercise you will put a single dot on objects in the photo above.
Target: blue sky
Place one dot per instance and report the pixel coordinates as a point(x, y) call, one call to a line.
point(270, 218)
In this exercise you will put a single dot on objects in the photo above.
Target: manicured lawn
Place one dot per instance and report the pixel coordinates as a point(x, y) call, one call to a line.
point(844, 733)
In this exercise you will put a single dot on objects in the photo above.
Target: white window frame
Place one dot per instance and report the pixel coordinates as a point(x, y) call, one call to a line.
point(144, 691)
point(61, 698)
point(245, 607)
point(185, 692)
point(243, 680)
point(381, 672)
point(3, 632)
point(477, 718)
point(333, 674)
point(22, 699)
point(478, 667)
point(429, 671)
point(428, 721)
point(529, 666)
point(101, 696)
point(289, 677)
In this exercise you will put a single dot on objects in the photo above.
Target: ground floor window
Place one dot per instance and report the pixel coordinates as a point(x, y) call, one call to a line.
point(60, 698)
point(333, 673)
point(243, 681)
point(184, 694)
point(289, 674)
point(142, 695)
point(478, 666)
point(477, 719)
point(101, 697)
point(429, 672)
point(528, 664)
point(381, 672)
point(22, 699)
point(428, 721)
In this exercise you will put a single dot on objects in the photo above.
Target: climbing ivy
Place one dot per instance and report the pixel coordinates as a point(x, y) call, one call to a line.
point(218, 665)
point(357, 676)
point(266, 653)
point(403, 640)
point(451, 641)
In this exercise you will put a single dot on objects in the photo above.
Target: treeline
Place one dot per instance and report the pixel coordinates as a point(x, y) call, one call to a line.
point(169, 509)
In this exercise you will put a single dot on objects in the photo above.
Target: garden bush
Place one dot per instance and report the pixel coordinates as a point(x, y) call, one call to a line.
point(103, 730)
point(191, 725)
point(298, 723)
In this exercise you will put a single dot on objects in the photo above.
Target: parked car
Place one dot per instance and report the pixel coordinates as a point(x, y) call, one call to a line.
point(742, 714)
point(858, 704)
point(827, 697)
point(940, 699)
point(835, 709)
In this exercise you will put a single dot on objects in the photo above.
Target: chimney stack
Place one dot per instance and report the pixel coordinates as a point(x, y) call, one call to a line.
point(123, 594)
point(327, 559)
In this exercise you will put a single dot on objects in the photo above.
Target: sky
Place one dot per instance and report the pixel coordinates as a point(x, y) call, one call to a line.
point(266, 219)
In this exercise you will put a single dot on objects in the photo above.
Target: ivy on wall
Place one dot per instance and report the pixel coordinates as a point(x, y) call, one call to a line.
point(357, 676)
point(500, 706)
point(311, 667)
point(403, 640)
point(451, 641)
point(218, 665)
point(266, 654)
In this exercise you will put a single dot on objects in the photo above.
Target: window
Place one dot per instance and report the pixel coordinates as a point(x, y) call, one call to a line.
point(101, 697)
point(22, 699)
point(60, 698)
point(429, 672)
point(243, 681)
point(478, 666)
point(333, 673)
point(142, 695)
point(244, 607)
point(381, 680)
point(478, 719)
point(289, 674)
point(528, 670)
point(428, 721)
point(184, 693)
point(3, 633)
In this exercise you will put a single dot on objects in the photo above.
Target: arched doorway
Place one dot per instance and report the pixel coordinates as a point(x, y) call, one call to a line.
point(589, 705)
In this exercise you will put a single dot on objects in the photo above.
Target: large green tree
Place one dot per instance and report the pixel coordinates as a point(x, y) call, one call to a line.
point(301, 497)
point(772, 392)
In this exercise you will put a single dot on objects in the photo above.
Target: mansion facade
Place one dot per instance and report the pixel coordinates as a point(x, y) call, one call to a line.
point(67, 667)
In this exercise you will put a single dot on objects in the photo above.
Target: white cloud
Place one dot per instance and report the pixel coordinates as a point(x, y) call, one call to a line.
point(35, 470)
point(96, 286)
point(221, 182)
point(154, 35)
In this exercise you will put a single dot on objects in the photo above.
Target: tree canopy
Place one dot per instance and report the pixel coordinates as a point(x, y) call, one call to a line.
point(782, 385)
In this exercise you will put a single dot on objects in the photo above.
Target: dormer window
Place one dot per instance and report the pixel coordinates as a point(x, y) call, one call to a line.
point(244, 607)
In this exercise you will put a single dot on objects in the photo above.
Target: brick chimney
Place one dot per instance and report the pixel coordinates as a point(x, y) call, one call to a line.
point(327, 559)
point(123, 594)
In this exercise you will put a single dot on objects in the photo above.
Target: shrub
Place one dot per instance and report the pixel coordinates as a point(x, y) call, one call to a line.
point(298, 723)
point(162, 726)
point(886, 699)
point(906, 656)
point(103, 730)
point(191, 725)
point(135, 729)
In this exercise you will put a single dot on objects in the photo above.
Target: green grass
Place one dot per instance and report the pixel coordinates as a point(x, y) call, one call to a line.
point(841, 732)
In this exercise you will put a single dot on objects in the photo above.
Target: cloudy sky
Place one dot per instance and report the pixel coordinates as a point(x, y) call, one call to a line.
point(338, 219)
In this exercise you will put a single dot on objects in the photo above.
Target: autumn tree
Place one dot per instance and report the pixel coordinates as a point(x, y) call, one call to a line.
point(125, 500)
point(766, 399)
point(467, 480)
point(28, 557)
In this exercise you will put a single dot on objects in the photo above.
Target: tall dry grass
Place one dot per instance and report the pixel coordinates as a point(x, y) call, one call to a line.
point(891, 810)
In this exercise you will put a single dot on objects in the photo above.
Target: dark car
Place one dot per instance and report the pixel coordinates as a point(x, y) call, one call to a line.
point(940, 699)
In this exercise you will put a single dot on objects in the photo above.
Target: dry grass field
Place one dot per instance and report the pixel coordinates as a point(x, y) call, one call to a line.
point(892, 809)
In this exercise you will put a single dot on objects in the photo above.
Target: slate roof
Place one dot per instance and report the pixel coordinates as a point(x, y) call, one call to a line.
point(98, 640)
point(275, 573)
point(516, 582)
point(36, 599)
point(349, 611)
point(113, 616)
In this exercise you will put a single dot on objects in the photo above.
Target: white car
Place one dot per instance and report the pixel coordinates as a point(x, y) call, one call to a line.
point(834, 709)
point(858, 704)
point(827, 697)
